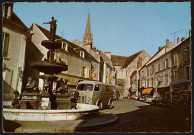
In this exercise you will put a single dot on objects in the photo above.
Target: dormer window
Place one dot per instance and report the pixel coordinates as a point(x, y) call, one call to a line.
point(64, 46)
point(6, 37)
point(7, 10)
point(82, 54)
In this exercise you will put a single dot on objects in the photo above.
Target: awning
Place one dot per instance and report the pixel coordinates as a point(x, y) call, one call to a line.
point(133, 96)
point(147, 91)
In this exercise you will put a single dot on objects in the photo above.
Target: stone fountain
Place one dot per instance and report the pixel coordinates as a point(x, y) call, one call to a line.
point(44, 99)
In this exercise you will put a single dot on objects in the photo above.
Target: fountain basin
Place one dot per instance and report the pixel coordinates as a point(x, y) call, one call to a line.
point(83, 110)
point(49, 44)
point(49, 67)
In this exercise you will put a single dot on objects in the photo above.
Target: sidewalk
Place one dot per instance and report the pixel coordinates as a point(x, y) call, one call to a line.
point(63, 126)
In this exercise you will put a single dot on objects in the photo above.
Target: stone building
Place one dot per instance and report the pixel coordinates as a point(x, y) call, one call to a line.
point(132, 66)
point(181, 71)
point(120, 74)
point(127, 71)
point(13, 49)
point(168, 72)
point(162, 73)
point(80, 63)
point(155, 75)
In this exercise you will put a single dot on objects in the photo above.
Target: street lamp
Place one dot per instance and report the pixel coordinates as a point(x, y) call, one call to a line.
point(159, 79)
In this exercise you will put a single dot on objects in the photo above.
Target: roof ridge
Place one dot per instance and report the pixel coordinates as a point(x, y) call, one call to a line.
point(130, 59)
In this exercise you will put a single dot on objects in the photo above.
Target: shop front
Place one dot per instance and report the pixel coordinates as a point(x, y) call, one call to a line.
point(147, 93)
point(181, 92)
point(133, 94)
point(164, 92)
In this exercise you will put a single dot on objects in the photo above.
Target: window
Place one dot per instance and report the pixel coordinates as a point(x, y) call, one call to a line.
point(163, 64)
point(64, 46)
point(7, 10)
point(147, 71)
point(147, 82)
point(82, 54)
point(96, 88)
point(175, 75)
point(175, 59)
point(187, 73)
point(139, 63)
point(6, 37)
point(142, 76)
point(152, 69)
point(152, 82)
point(86, 72)
point(158, 66)
point(186, 53)
point(166, 63)
point(84, 87)
point(166, 78)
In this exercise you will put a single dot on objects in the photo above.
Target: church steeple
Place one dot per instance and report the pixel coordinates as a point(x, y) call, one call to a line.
point(88, 36)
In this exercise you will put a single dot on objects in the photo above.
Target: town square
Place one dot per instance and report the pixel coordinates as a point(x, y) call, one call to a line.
point(96, 67)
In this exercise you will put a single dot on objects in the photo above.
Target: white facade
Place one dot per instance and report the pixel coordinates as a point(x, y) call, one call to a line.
point(13, 48)
point(133, 68)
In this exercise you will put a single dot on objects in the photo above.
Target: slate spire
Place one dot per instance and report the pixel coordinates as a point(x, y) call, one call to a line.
point(88, 36)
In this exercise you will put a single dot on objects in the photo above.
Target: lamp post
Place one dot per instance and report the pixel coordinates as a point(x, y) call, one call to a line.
point(159, 79)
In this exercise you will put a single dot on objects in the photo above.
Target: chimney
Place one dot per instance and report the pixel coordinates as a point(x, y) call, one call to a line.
point(167, 42)
point(178, 40)
point(159, 48)
point(94, 48)
point(108, 54)
point(182, 39)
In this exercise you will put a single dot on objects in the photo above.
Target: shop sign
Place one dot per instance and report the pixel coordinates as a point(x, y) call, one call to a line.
point(163, 89)
point(111, 78)
point(93, 75)
point(180, 87)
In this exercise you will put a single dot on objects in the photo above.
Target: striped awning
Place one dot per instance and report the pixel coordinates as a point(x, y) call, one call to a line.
point(147, 91)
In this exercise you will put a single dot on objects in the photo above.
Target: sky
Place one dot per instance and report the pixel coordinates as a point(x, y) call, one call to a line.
point(120, 28)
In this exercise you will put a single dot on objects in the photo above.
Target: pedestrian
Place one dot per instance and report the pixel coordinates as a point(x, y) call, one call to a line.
point(116, 93)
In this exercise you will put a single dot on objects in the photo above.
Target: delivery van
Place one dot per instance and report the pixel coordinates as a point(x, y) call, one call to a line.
point(95, 93)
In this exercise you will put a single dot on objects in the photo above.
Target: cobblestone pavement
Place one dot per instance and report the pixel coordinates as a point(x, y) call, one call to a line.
point(136, 116)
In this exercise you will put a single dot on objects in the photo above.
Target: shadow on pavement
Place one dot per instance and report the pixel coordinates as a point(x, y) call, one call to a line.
point(148, 118)
point(9, 126)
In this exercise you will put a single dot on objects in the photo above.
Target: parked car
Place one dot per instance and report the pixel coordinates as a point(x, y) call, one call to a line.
point(149, 99)
point(140, 98)
point(160, 101)
point(95, 93)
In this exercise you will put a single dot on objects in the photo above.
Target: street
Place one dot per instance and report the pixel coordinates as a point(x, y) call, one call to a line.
point(137, 116)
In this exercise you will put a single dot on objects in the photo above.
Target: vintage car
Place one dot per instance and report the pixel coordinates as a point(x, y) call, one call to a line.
point(95, 93)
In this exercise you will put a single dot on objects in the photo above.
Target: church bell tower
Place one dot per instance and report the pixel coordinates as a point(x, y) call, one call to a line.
point(88, 36)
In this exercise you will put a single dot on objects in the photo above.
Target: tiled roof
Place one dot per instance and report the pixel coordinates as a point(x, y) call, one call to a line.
point(17, 20)
point(106, 59)
point(73, 49)
point(130, 59)
point(118, 60)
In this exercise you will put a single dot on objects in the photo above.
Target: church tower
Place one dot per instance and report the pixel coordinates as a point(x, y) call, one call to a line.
point(88, 36)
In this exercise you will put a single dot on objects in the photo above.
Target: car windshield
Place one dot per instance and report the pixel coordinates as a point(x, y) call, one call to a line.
point(84, 87)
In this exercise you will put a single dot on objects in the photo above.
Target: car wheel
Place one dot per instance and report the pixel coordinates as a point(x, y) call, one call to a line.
point(99, 104)
point(110, 104)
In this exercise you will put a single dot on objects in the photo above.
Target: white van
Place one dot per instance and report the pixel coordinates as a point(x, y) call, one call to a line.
point(95, 93)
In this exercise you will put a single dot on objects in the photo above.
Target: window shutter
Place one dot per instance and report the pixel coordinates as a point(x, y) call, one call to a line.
point(6, 37)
